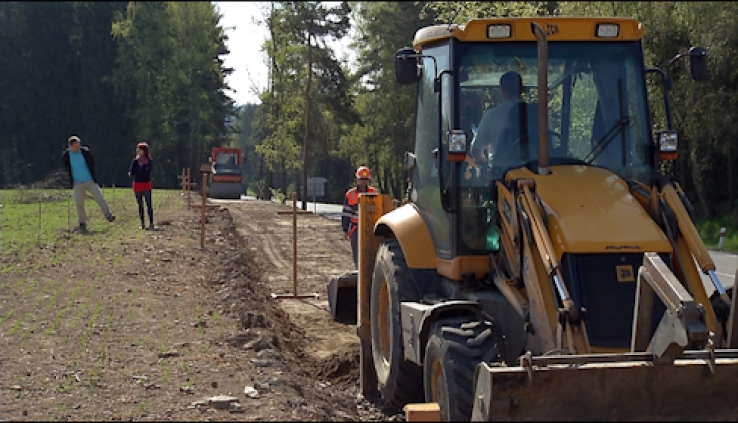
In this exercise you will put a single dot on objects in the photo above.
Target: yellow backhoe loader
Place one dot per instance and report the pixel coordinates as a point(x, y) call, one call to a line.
point(559, 277)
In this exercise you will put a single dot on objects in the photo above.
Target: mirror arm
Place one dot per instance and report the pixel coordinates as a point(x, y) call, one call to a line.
point(666, 82)
point(448, 204)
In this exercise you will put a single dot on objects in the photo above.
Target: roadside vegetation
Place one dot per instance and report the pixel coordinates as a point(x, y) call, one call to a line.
point(32, 218)
point(320, 115)
point(709, 231)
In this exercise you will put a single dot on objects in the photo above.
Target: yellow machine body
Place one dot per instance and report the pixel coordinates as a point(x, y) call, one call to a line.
point(560, 280)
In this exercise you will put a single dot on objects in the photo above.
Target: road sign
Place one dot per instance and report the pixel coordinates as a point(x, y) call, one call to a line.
point(316, 186)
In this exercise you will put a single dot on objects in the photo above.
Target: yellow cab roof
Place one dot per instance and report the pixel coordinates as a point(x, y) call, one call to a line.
point(557, 28)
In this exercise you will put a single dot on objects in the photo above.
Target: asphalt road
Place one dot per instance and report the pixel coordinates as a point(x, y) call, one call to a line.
point(726, 263)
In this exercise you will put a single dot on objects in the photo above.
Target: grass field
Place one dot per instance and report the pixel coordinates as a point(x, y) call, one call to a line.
point(32, 218)
point(710, 233)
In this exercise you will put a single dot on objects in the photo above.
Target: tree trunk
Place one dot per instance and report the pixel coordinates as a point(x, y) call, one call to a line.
point(731, 205)
point(283, 177)
point(307, 125)
point(697, 175)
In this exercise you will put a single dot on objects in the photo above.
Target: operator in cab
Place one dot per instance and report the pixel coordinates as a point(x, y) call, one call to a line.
point(496, 120)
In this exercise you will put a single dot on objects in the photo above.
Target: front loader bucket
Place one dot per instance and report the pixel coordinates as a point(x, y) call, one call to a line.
point(342, 297)
point(623, 389)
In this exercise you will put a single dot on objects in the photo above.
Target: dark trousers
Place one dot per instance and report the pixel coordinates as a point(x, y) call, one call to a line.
point(354, 246)
point(140, 196)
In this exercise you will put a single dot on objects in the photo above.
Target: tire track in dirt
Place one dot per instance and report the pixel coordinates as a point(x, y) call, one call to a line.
point(273, 253)
point(321, 254)
point(268, 242)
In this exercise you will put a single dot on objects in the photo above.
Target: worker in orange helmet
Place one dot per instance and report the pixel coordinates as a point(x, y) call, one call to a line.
point(350, 215)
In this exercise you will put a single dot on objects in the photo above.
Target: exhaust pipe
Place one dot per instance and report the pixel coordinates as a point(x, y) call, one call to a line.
point(542, 43)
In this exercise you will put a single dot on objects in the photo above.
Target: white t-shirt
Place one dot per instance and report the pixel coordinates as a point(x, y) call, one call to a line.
point(493, 123)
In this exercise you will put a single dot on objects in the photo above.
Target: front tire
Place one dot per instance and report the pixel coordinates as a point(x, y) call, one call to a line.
point(454, 349)
point(399, 381)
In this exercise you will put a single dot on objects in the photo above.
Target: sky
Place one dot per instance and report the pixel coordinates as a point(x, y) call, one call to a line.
point(245, 39)
point(244, 42)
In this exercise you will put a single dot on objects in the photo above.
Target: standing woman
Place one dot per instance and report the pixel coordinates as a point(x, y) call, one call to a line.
point(140, 170)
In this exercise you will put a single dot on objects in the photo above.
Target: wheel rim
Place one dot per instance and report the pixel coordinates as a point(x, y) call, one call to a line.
point(383, 321)
point(436, 373)
point(438, 388)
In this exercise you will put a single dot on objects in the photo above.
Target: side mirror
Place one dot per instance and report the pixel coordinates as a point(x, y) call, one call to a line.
point(406, 66)
point(409, 160)
point(698, 64)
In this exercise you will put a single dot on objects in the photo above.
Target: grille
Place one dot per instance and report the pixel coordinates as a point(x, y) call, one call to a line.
point(602, 284)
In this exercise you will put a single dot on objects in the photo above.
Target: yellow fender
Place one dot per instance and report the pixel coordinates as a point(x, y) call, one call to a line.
point(411, 232)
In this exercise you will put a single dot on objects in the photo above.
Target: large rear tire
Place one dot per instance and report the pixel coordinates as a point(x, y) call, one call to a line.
point(400, 382)
point(454, 349)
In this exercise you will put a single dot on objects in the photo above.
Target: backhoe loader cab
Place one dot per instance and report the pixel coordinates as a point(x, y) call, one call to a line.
point(553, 272)
point(597, 114)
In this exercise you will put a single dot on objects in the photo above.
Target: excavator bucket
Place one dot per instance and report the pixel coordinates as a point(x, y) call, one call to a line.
point(610, 387)
point(342, 297)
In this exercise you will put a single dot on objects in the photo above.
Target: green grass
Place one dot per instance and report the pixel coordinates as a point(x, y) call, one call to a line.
point(67, 385)
point(709, 231)
point(90, 322)
point(33, 218)
point(91, 380)
point(32, 283)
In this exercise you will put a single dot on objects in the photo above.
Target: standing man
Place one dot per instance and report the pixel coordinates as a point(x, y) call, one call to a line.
point(350, 215)
point(81, 168)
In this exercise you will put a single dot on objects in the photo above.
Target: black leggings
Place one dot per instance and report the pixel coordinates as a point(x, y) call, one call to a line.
point(140, 196)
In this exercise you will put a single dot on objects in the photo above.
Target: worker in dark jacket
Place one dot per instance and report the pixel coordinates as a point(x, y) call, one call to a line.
point(350, 215)
point(140, 170)
point(80, 165)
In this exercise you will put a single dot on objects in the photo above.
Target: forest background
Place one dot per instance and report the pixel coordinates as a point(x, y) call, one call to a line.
point(117, 73)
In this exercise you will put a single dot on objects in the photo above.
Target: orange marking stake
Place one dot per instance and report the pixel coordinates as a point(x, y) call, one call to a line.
point(294, 213)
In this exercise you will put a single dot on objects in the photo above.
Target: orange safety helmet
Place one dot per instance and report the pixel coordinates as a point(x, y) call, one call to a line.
point(363, 173)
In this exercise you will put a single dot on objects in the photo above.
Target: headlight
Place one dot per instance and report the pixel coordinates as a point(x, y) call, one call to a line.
point(668, 143)
point(499, 31)
point(456, 146)
point(608, 30)
point(457, 142)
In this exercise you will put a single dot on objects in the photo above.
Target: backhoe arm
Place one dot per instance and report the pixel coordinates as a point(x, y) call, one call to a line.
point(571, 329)
point(670, 194)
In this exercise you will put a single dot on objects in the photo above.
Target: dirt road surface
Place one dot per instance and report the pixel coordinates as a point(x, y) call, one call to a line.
point(154, 327)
